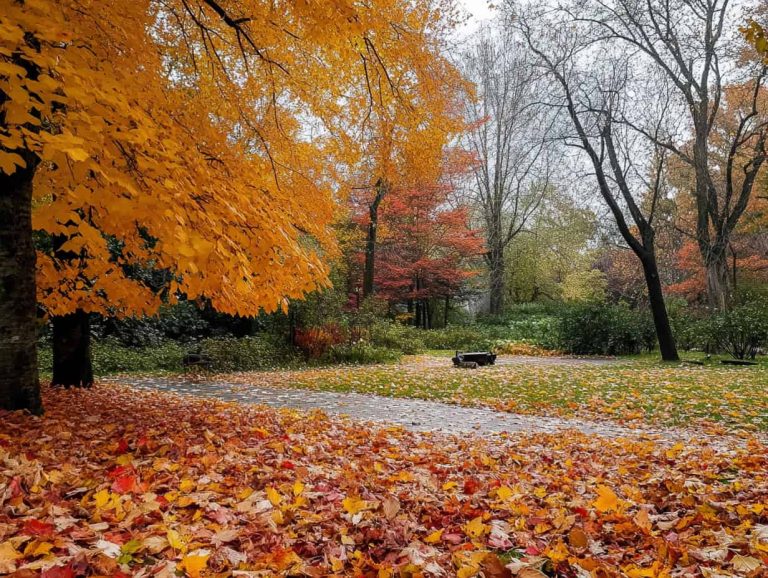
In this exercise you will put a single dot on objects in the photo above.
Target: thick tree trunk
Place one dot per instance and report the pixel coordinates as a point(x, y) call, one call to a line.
point(659, 310)
point(370, 241)
point(718, 281)
point(72, 365)
point(19, 382)
point(496, 271)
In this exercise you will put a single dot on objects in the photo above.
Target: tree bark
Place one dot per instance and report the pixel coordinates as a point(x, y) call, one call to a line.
point(496, 271)
point(72, 365)
point(719, 290)
point(658, 309)
point(19, 380)
point(370, 242)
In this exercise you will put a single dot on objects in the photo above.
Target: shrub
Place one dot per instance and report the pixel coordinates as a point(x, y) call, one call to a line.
point(741, 332)
point(522, 348)
point(247, 353)
point(111, 356)
point(403, 338)
point(316, 341)
point(603, 329)
point(464, 338)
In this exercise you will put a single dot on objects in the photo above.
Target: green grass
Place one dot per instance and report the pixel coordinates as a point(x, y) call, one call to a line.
point(638, 390)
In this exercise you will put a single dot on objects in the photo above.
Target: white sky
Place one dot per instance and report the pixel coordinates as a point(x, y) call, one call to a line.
point(478, 10)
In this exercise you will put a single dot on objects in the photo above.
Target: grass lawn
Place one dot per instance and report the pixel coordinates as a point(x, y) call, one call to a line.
point(640, 391)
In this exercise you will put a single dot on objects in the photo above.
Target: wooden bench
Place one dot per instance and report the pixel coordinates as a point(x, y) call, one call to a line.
point(473, 359)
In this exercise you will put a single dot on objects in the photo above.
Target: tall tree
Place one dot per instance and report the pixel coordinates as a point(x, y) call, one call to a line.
point(592, 88)
point(507, 136)
point(692, 49)
point(428, 246)
point(109, 112)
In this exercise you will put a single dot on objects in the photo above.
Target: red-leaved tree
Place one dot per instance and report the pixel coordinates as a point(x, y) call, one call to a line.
point(427, 249)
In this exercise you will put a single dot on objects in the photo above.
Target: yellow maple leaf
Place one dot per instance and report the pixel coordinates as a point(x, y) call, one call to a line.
point(194, 564)
point(176, 541)
point(476, 528)
point(353, 504)
point(434, 537)
point(298, 488)
point(504, 493)
point(606, 500)
point(273, 496)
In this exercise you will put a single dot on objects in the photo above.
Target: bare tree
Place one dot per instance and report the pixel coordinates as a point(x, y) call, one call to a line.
point(507, 137)
point(591, 87)
point(696, 46)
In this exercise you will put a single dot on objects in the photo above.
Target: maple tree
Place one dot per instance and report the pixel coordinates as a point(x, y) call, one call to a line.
point(427, 244)
point(745, 251)
point(179, 130)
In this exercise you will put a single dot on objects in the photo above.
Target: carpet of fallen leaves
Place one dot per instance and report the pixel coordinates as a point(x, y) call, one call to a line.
point(640, 393)
point(119, 482)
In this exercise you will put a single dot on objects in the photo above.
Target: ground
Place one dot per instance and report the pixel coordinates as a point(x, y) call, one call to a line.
point(640, 392)
point(134, 482)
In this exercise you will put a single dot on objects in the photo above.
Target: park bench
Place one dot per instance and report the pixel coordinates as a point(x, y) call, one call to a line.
point(193, 361)
point(473, 359)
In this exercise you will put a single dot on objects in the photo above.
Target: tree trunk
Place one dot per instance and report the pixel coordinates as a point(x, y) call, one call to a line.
point(496, 271)
point(445, 310)
point(72, 365)
point(659, 310)
point(19, 381)
point(370, 241)
point(718, 281)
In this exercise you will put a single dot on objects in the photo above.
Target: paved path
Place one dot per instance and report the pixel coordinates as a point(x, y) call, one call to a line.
point(415, 414)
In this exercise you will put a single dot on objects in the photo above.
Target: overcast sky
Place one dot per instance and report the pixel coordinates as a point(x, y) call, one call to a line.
point(478, 10)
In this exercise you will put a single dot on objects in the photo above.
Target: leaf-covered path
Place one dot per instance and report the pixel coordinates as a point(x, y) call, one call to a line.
point(414, 414)
point(270, 388)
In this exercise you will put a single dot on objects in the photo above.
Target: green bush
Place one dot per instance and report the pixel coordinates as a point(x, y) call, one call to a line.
point(109, 356)
point(741, 332)
point(602, 329)
point(403, 338)
point(248, 353)
point(359, 353)
point(466, 338)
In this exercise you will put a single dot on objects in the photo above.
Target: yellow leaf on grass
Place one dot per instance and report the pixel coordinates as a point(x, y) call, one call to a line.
point(606, 500)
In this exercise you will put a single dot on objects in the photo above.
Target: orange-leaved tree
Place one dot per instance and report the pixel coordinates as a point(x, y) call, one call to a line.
point(196, 136)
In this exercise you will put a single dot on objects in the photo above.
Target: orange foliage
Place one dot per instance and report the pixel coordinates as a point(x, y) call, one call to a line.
point(189, 137)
